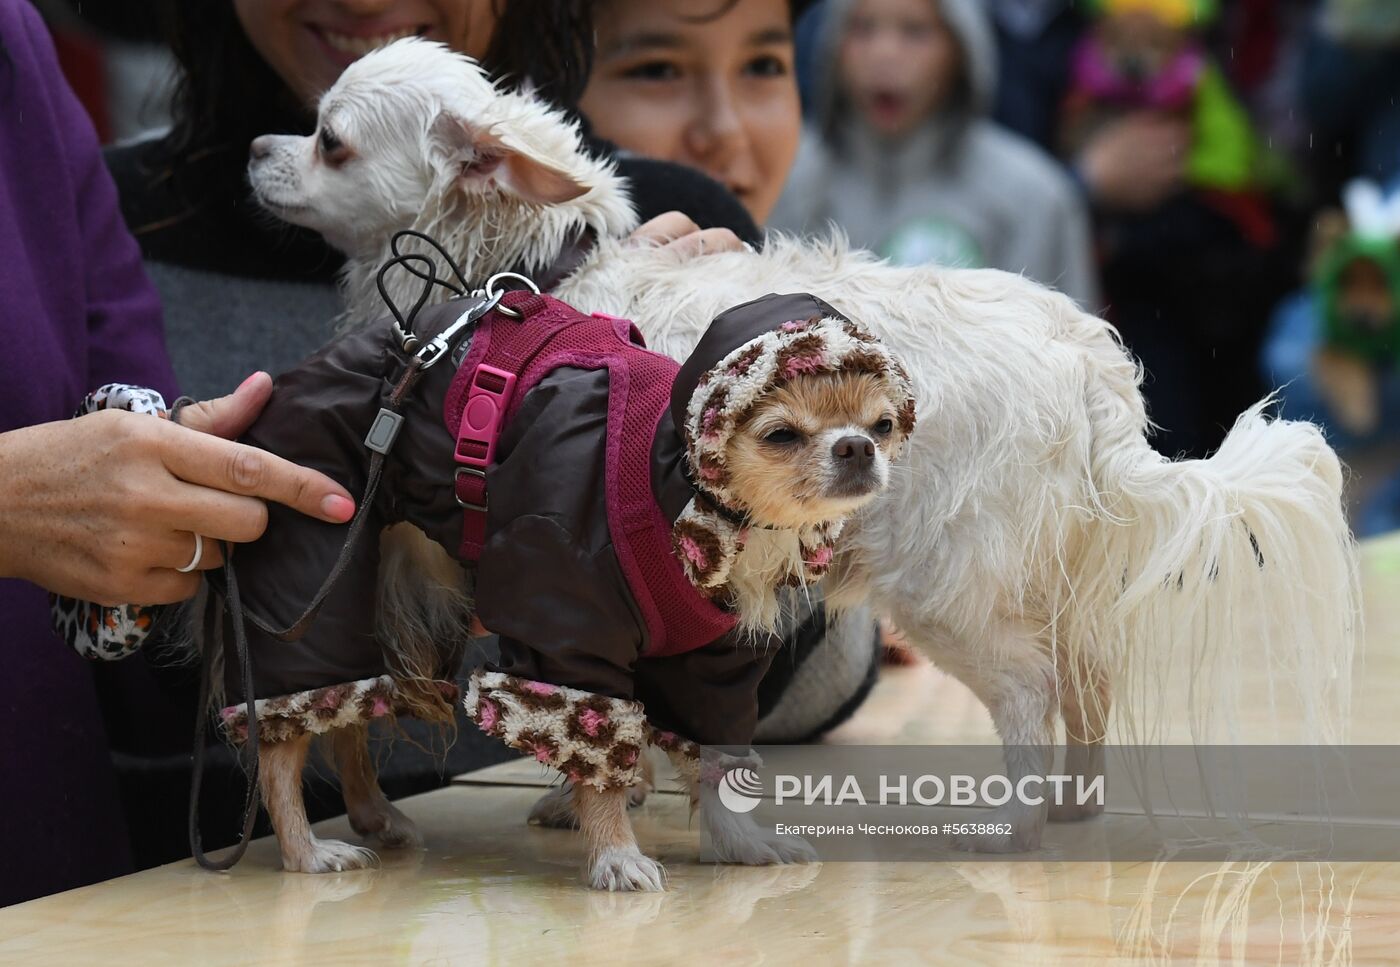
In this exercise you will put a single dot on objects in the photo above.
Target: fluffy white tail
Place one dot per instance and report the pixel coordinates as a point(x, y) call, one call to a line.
point(1199, 569)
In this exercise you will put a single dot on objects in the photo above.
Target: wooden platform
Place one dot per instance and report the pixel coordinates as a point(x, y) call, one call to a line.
point(488, 889)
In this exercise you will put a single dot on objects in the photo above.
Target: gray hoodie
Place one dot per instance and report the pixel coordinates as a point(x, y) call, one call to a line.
point(960, 190)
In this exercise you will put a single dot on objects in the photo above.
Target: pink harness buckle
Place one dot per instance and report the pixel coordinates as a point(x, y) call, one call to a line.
point(478, 432)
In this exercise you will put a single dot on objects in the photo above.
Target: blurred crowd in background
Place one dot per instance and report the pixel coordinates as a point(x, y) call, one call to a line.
point(1214, 176)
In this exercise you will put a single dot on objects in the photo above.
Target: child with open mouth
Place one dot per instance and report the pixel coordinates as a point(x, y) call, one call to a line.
point(900, 153)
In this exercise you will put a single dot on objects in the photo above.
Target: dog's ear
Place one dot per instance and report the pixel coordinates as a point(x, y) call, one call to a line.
point(482, 156)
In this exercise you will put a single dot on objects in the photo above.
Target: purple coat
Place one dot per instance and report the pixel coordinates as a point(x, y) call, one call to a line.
point(76, 311)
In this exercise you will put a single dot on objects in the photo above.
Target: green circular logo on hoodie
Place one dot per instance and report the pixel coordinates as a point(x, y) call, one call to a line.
point(933, 240)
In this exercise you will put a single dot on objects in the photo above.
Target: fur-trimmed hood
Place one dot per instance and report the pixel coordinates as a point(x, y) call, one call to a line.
point(754, 348)
point(747, 353)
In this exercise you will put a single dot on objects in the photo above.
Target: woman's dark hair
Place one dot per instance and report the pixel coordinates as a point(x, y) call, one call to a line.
point(227, 94)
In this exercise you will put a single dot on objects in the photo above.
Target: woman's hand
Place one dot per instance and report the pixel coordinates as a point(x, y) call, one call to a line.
point(677, 232)
point(105, 507)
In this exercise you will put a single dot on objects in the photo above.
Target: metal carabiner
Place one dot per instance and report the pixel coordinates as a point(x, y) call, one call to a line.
point(437, 347)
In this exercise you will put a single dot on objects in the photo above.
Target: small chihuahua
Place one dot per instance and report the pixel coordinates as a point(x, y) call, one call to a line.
point(628, 524)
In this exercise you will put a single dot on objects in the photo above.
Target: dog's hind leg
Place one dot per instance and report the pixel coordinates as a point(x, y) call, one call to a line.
point(370, 812)
point(637, 794)
point(280, 766)
point(615, 862)
point(1085, 701)
point(555, 809)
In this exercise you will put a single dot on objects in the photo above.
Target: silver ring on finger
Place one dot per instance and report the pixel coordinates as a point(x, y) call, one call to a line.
point(198, 556)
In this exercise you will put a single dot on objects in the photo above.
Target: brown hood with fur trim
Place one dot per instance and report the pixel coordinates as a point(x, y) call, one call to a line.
point(747, 353)
point(732, 329)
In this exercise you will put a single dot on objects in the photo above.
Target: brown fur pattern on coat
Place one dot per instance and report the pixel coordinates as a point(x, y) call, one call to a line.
point(593, 739)
point(319, 710)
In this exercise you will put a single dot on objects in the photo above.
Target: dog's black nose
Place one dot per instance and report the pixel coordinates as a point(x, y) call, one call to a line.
point(857, 449)
point(260, 148)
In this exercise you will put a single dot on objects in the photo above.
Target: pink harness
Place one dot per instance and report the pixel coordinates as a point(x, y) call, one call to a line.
point(507, 359)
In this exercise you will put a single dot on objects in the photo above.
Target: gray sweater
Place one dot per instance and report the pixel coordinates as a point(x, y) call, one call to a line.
point(959, 191)
point(221, 328)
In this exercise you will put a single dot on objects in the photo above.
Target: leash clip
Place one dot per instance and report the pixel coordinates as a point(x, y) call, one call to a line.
point(437, 347)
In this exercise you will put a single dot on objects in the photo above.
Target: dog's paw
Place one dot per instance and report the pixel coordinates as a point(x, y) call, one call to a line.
point(555, 809)
point(626, 869)
point(329, 856)
point(387, 823)
point(737, 839)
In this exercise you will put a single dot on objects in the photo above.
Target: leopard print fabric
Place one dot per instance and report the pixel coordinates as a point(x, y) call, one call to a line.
point(96, 632)
point(319, 710)
point(591, 738)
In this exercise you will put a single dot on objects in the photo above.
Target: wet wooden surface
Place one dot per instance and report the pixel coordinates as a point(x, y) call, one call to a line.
point(489, 889)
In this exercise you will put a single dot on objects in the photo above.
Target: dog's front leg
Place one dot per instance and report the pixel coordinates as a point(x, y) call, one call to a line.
point(280, 766)
point(615, 862)
point(1011, 670)
point(370, 811)
point(1019, 825)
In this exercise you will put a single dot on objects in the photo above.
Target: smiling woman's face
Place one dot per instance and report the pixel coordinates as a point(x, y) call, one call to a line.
point(674, 81)
point(309, 42)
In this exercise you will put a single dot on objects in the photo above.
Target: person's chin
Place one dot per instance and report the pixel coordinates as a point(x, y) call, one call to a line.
point(318, 66)
point(307, 73)
point(757, 203)
point(890, 126)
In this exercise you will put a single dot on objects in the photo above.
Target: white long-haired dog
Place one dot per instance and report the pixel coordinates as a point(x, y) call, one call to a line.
point(1033, 544)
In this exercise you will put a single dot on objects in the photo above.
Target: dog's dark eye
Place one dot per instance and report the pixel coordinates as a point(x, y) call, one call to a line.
point(782, 437)
point(332, 148)
point(884, 427)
